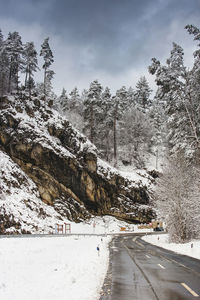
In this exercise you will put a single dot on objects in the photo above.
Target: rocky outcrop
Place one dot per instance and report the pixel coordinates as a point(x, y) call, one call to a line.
point(65, 166)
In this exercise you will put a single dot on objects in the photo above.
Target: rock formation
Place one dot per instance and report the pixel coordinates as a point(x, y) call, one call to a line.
point(64, 166)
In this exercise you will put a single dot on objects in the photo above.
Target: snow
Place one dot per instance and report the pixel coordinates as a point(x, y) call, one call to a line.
point(20, 200)
point(59, 267)
point(43, 137)
point(67, 267)
point(106, 168)
point(49, 267)
point(103, 225)
point(53, 268)
point(191, 249)
point(135, 177)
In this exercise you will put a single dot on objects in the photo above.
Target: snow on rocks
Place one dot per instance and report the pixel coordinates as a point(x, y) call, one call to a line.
point(20, 203)
point(26, 213)
point(133, 177)
point(52, 153)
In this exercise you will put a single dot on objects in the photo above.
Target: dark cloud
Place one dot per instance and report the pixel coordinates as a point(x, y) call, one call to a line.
point(116, 32)
point(107, 36)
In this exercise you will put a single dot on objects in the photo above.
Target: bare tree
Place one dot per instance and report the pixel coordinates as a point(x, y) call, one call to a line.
point(177, 199)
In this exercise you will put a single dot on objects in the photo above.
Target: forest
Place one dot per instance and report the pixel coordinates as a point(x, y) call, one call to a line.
point(131, 127)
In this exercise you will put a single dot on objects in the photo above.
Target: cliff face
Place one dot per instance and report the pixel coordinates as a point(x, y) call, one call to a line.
point(64, 166)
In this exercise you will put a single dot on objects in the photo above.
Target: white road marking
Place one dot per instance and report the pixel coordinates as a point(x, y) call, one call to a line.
point(134, 239)
point(178, 263)
point(140, 244)
point(167, 259)
point(189, 289)
point(161, 266)
point(147, 256)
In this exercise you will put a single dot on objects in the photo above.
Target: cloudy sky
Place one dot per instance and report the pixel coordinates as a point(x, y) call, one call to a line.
point(109, 40)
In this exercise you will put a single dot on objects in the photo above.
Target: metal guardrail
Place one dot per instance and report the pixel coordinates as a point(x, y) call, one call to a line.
point(79, 234)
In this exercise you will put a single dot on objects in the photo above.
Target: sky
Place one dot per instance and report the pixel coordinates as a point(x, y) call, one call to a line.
point(112, 41)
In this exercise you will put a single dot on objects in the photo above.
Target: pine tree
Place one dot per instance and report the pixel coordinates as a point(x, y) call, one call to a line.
point(131, 97)
point(4, 66)
point(30, 65)
point(119, 105)
point(48, 82)
point(105, 124)
point(193, 89)
point(142, 93)
point(1, 38)
point(91, 109)
point(158, 120)
point(172, 80)
point(14, 50)
point(136, 132)
point(63, 102)
point(47, 55)
point(74, 100)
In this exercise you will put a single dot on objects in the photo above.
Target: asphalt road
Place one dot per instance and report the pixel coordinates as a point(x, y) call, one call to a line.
point(141, 271)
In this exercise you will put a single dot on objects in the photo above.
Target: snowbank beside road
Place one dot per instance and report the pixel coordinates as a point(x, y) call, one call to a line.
point(191, 249)
point(53, 268)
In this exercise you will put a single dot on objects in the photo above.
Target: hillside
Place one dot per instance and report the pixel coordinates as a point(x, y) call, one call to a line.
point(51, 172)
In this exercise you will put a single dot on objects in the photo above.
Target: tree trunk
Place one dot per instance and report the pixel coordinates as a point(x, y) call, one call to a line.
point(107, 146)
point(2, 88)
point(17, 78)
point(91, 125)
point(9, 79)
point(45, 75)
point(115, 141)
point(25, 82)
point(29, 84)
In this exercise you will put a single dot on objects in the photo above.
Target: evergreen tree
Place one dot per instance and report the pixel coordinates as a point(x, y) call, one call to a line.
point(142, 93)
point(48, 84)
point(75, 100)
point(91, 109)
point(158, 120)
point(131, 98)
point(30, 64)
point(47, 55)
point(119, 105)
point(14, 50)
point(4, 66)
point(63, 102)
point(136, 134)
point(173, 88)
point(105, 124)
point(193, 90)
point(1, 38)
point(84, 95)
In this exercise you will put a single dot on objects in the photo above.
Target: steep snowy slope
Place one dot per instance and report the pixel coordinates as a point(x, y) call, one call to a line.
point(21, 208)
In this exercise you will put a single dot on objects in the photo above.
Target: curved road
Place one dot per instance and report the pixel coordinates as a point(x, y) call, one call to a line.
point(141, 271)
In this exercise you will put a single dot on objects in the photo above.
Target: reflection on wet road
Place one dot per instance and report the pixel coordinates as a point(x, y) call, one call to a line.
point(142, 271)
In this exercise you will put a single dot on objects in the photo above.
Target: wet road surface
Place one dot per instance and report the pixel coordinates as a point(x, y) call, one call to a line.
point(141, 271)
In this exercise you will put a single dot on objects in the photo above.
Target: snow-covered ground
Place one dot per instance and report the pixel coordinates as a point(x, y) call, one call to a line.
point(191, 249)
point(60, 268)
point(67, 267)
point(102, 225)
point(53, 268)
